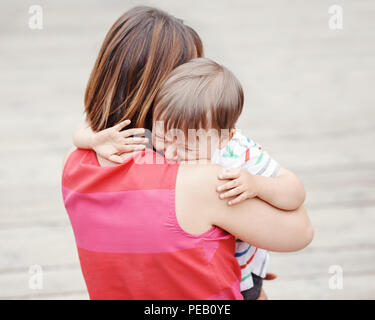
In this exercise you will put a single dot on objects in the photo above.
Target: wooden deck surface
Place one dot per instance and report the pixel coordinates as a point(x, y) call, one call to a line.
point(309, 100)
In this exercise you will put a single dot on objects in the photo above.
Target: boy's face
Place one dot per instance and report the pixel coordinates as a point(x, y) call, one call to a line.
point(178, 146)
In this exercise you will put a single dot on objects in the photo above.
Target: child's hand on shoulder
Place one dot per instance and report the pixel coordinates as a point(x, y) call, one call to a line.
point(112, 143)
point(241, 185)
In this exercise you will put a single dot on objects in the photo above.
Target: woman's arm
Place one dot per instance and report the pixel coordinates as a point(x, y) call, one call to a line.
point(253, 221)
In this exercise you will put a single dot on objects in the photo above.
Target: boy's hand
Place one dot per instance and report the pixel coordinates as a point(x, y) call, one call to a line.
point(242, 185)
point(111, 143)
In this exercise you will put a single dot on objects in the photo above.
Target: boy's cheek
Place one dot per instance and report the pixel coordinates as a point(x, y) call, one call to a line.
point(183, 155)
point(194, 155)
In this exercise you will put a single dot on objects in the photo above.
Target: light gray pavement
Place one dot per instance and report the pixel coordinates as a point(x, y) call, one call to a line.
point(309, 101)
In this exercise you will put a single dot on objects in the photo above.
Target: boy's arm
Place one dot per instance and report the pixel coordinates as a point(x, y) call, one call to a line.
point(84, 136)
point(265, 180)
point(285, 191)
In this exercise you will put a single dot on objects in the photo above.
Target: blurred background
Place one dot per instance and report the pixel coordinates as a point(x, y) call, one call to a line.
point(309, 100)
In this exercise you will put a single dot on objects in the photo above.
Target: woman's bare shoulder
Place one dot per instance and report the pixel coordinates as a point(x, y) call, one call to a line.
point(200, 177)
point(196, 196)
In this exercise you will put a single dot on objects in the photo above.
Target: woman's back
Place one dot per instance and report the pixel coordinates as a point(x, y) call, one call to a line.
point(129, 242)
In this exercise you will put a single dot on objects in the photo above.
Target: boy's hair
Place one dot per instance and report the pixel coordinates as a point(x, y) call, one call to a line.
point(199, 94)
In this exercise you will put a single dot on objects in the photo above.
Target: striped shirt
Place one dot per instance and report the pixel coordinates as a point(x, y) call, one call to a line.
point(129, 242)
point(242, 152)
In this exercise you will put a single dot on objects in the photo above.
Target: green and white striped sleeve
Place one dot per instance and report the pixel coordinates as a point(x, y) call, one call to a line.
point(258, 162)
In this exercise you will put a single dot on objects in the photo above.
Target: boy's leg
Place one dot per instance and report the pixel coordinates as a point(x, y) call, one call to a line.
point(254, 292)
point(257, 292)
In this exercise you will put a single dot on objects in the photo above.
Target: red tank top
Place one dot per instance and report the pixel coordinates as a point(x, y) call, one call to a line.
point(129, 242)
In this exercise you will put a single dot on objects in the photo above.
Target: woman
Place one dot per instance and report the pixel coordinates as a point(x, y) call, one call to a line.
point(157, 230)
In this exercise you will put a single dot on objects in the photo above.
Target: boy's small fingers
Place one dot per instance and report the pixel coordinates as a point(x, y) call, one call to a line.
point(226, 176)
point(237, 200)
point(229, 185)
point(132, 132)
point(221, 177)
point(229, 174)
point(236, 173)
point(136, 140)
point(122, 124)
point(133, 147)
point(231, 193)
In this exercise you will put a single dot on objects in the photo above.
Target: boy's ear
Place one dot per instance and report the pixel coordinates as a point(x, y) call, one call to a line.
point(224, 141)
point(232, 132)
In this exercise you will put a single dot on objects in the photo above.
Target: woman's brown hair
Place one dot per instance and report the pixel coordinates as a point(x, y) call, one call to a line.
point(142, 47)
